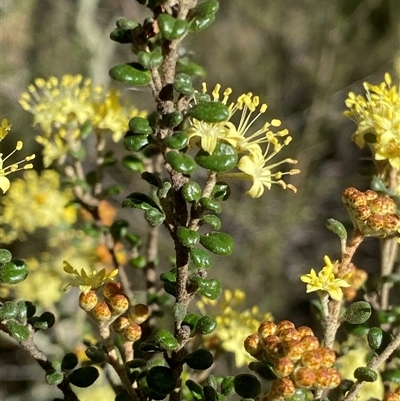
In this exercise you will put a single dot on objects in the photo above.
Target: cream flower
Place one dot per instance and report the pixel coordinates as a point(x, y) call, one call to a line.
point(325, 281)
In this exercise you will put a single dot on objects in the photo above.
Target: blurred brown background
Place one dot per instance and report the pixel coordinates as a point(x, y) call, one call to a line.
point(301, 57)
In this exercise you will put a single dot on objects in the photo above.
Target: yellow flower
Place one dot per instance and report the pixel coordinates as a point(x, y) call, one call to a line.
point(86, 281)
point(378, 120)
point(233, 323)
point(110, 114)
point(326, 281)
point(12, 168)
point(36, 201)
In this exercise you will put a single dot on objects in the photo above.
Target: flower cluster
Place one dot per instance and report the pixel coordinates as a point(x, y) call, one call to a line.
point(36, 201)
point(255, 163)
point(12, 168)
point(326, 280)
point(378, 120)
point(392, 395)
point(104, 299)
point(371, 214)
point(296, 357)
point(232, 325)
point(66, 109)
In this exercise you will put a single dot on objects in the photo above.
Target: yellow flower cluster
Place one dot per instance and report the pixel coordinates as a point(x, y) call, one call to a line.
point(326, 281)
point(66, 109)
point(12, 168)
point(378, 120)
point(254, 164)
point(36, 201)
point(233, 323)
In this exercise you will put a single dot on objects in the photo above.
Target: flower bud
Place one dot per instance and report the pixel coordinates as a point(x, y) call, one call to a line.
point(293, 350)
point(322, 378)
point(251, 344)
point(289, 335)
point(266, 329)
point(283, 367)
point(138, 313)
point(119, 303)
point(112, 288)
point(328, 357)
point(304, 377)
point(284, 324)
point(284, 387)
point(101, 312)
point(312, 359)
point(309, 343)
point(88, 301)
point(120, 324)
point(335, 378)
point(132, 332)
point(305, 331)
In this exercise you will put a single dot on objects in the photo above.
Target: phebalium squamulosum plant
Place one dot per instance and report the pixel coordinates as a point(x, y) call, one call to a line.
point(166, 342)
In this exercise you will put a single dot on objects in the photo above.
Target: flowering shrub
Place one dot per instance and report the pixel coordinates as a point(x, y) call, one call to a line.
point(166, 342)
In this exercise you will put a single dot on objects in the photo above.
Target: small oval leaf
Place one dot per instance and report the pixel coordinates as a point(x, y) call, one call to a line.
point(218, 243)
point(210, 112)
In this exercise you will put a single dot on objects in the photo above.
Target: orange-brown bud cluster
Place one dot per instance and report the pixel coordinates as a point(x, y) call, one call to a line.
point(356, 279)
point(392, 395)
point(371, 214)
point(110, 305)
point(296, 356)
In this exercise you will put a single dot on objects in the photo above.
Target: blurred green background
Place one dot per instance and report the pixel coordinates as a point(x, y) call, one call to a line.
point(301, 57)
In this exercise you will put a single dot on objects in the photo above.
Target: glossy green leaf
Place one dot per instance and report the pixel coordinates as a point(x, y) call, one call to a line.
point(336, 227)
point(84, 377)
point(44, 321)
point(95, 354)
point(375, 337)
point(166, 340)
point(120, 35)
point(172, 120)
point(391, 375)
point(170, 288)
point(163, 191)
point(200, 258)
point(154, 217)
point(170, 27)
point(210, 112)
point(131, 73)
point(219, 243)
point(5, 256)
point(17, 331)
point(169, 276)
point(187, 237)
point(13, 272)
point(210, 204)
point(69, 361)
point(212, 220)
point(125, 23)
point(54, 378)
point(210, 288)
point(206, 8)
point(212, 381)
point(364, 374)
point(199, 23)
point(133, 163)
point(221, 191)
point(161, 380)
point(152, 179)
point(210, 394)
point(358, 312)
point(205, 325)
point(140, 126)
point(183, 84)
point(118, 229)
point(151, 59)
point(181, 162)
point(185, 65)
point(141, 201)
point(191, 320)
point(224, 158)
point(150, 347)
point(191, 191)
point(227, 387)
point(247, 386)
point(178, 140)
point(200, 359)
point(8, 310)
point(134, 142)
point(195, 389)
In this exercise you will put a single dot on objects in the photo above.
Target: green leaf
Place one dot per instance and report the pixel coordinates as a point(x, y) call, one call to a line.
point(69, 361)
point(121, 36)
point(187, 237)
point(224, 158)
point(154, 217)
point(134, 142)
point(203, 15)
point(84, 377)
point(364, 374)
point(95, 354)
point(247, 386)
point(44, 321)
point(5, 256)
point(336, 227)
point(151, 59)
point(170, 27)
point(221, 191)
point(212, 220)
point(200, 359)
point(200, 258)
point(125, 23)
point(140, 201)
point(139, 262)
point(54, 378)
point(206, 325)
point(119, 229)
point(26, 309)
point(375, 336)
point(186, 66)
point(210, 394)
point(191, 320)
point(210, 288)
point(166, 340)
point(140, 126)
point(219, 243)
point(173, 119)
point(227, 386)
point(358, 312)
point(150, 346)
point(178, 140)
point(191, 191)
point(152, 179)
point(13, 272)
point(17, 331)
point(8, 310)
point(199, 23)
point(161, 380)
point(210, 204)
point(179, 312)
point(131, 73)
point(183, 84)
point(133, 163)
point(391, 375)
point(169, 276)
point(195, 389)
point(181, 162)
point(210, 112)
